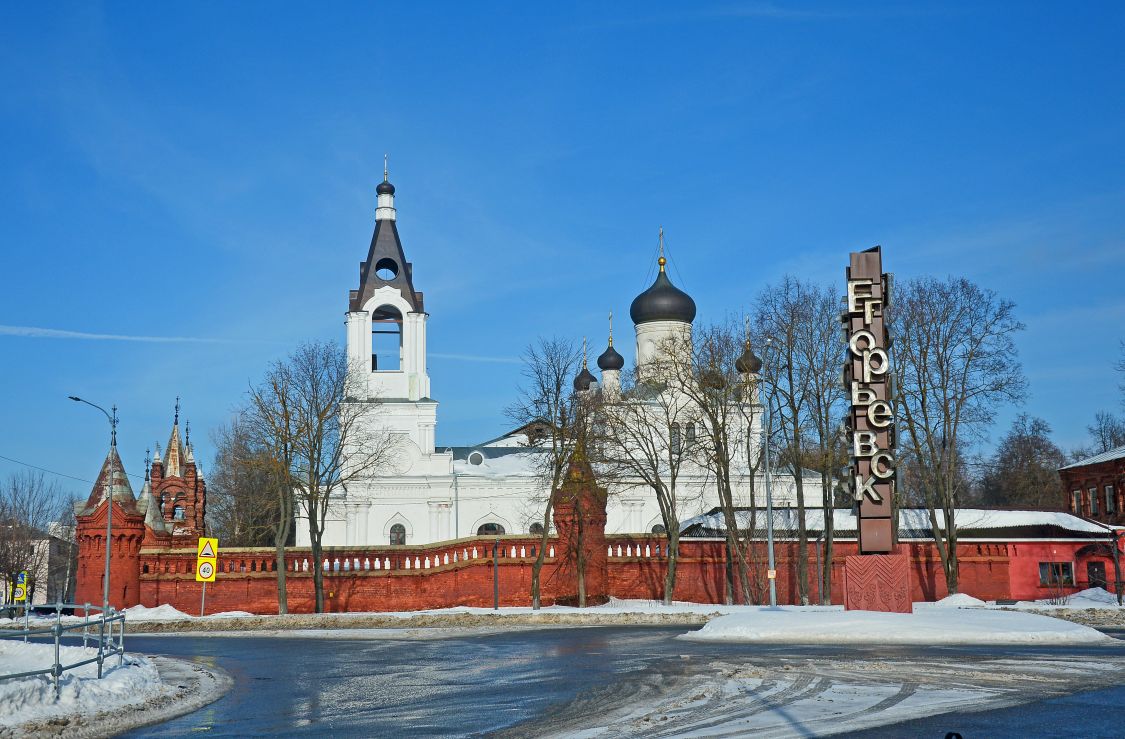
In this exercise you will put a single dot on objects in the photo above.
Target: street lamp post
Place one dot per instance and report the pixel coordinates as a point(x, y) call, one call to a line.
point(772, 574)
point(109, 492)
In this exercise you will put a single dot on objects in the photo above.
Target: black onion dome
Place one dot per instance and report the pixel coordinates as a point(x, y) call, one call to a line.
point(748, 363)
point(584, 379)
point(610, 360)
point(385, 188)
point(662, 302)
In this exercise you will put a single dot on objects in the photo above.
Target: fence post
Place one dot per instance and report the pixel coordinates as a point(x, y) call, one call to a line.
point(101, 643)
point(25, 625)
point(121, 643)
point(58, 632)
point(85, 624)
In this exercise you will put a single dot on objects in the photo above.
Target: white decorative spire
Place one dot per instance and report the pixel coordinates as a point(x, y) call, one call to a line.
point(385, 211)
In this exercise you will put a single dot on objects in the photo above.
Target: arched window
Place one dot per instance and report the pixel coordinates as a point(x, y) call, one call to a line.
point(386, 339)
point(490, 529)
point(675, 440)
point(163, 500)
point(690, 433)
point(536, 528)
point(659, 529)
point(178, 513)
point(398, 534)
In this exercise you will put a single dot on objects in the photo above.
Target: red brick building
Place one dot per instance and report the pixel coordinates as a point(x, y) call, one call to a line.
point(1095, 487)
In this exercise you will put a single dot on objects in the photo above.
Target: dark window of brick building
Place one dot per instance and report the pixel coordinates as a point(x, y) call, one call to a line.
point(1093, 501)
point(1110, 499)
point(1056, 573)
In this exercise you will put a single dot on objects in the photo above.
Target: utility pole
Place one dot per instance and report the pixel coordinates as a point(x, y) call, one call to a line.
point(772, 573)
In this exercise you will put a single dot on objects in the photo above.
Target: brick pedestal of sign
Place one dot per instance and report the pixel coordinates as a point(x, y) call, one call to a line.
point(877, 582)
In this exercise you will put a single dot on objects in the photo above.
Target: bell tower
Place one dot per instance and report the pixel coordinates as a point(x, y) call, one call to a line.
point(386, 328)
point(386, 316)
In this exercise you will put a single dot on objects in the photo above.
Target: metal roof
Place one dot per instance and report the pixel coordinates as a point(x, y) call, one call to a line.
point(1112, 454)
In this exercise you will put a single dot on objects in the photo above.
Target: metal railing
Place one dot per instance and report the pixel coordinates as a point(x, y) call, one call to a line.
point(107, 629)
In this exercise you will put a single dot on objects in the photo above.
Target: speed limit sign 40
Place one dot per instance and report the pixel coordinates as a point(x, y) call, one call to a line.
point(205, 572)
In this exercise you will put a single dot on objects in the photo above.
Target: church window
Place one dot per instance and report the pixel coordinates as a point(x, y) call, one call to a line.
point(398, 534)
point(476, 458)
point(163, 500)
point(536, 528)
point(659, 529)
point(386, 339)
point(178, 513)
point(690, 433)
point(490, 529)
point(676, 445)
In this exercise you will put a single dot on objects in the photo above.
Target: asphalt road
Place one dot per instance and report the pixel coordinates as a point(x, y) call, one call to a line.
point(486, 683)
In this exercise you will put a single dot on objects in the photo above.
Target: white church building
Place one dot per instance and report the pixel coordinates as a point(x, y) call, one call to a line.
point(436, 494)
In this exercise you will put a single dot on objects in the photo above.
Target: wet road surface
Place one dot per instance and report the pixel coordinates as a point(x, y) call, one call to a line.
point(479, 684)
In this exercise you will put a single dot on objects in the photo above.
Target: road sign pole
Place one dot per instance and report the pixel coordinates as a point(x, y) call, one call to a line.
point(203, 600)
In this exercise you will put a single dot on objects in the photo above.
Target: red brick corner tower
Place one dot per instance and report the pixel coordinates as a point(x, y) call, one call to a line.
point(178, 489)
point(127, 533)
point(580, 522)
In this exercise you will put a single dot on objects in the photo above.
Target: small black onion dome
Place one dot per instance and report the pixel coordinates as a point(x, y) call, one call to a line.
point(748, 363)
point(584, 379)
point(610, 360)
point(662, 302)
point(385, 188)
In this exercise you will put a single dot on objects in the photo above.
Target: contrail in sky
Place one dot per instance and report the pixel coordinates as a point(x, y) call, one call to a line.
point(35, 332)
point(476, 358)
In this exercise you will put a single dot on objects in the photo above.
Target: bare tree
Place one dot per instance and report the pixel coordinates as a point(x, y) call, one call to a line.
point(547, 397)
point(647, 435)
point(321, 431)
point(783, 319)
point(1106, 432)
point(705, 372)
point(270, 421)
point(243, 503)
point(1024, 470)
point(29, 505)
point(820, 354)
point(955, 361)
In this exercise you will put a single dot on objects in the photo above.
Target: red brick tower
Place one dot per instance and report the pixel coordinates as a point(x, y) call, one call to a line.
point(128, 531)
point(178, 488)
point(580, 521)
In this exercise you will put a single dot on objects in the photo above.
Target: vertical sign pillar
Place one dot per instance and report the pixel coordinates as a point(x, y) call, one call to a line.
point(877, 579)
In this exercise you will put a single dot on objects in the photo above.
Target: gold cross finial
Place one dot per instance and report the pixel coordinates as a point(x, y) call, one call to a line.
point(384, 168)
point(611, 328)
point(662, 261)
point(583, 352)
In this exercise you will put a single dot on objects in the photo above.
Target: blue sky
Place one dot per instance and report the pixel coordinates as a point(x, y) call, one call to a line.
point(207, 171)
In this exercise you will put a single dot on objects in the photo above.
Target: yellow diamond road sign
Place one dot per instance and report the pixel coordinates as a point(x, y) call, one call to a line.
point(205, 563)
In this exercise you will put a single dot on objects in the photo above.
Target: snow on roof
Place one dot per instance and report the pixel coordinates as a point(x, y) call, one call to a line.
point(496, 462)
point(1118, 453)
point(912, 521)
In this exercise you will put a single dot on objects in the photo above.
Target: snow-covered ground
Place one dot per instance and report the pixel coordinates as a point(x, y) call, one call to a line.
point(33, 698)
point(1089, 598)
point(791, 625)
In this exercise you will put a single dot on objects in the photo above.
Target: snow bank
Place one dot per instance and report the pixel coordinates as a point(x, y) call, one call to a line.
point(929, 626)
point(957, 600)
point(1089, 598)
point(33, 698)
point(163, 612)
